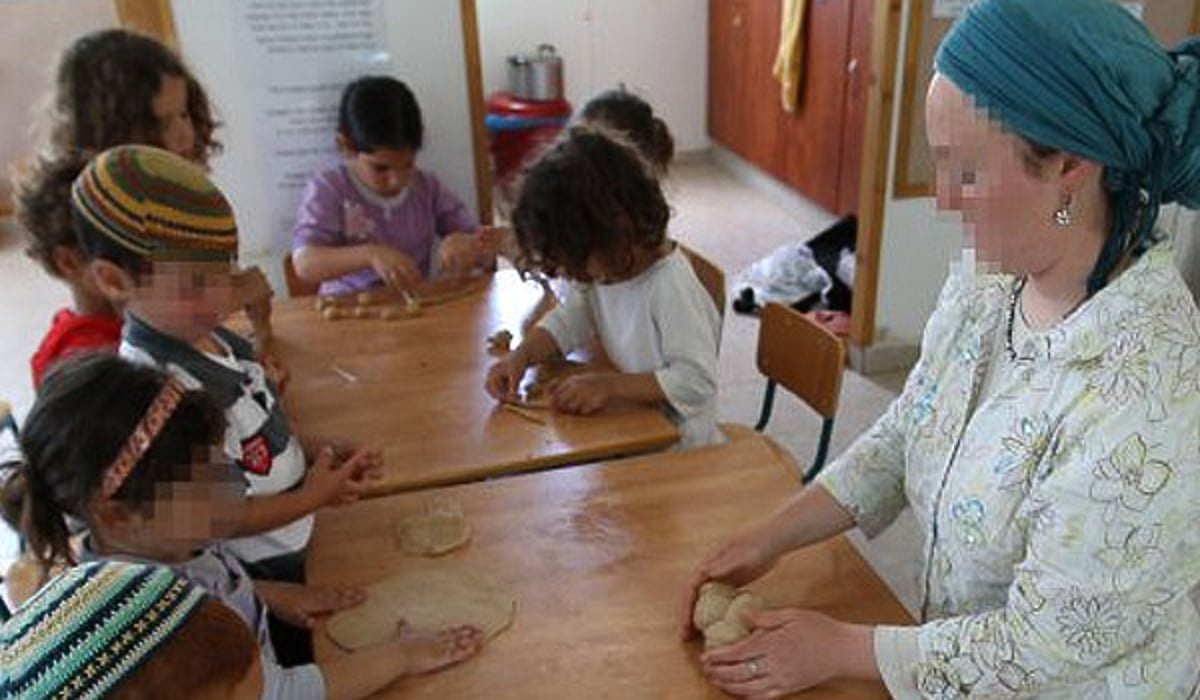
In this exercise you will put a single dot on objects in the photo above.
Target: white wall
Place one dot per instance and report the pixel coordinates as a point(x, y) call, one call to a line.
point(659, 48)
point(425, 42)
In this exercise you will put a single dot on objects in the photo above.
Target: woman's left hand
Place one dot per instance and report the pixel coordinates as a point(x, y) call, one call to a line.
point(787, 651)
point(581, 393)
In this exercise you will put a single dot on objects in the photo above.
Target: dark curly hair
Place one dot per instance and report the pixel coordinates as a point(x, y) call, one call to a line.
point(104, 85)
point(378, 111)
point(43, 211)
point(589, 195)
point(623, 111)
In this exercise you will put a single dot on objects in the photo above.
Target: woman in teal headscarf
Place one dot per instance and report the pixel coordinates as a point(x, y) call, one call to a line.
point(1048, 441)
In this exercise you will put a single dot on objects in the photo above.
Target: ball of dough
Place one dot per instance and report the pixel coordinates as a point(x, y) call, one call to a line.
point(711, 603)
point(723, 633)
point(745, 603)
point(333, 313)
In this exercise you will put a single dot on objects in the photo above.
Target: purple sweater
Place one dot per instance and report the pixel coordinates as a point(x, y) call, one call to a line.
point(338, 210)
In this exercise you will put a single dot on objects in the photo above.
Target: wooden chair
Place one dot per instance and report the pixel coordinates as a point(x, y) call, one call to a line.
point(710, 276)
point(808, 361)
point(296, 287)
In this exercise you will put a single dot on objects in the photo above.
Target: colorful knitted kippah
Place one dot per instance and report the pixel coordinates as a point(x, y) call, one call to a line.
point(90, 628)
point(155, 204)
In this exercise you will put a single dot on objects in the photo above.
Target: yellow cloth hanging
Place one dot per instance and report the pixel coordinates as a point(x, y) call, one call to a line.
point(790, 58)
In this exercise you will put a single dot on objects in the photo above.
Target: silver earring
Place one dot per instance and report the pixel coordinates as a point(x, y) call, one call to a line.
point(1062, 215)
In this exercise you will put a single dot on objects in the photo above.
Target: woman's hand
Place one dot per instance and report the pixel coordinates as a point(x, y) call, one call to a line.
point(788, 651)
point(504, 376)
point(396, 269)
point(583, 394)
point(743, 559)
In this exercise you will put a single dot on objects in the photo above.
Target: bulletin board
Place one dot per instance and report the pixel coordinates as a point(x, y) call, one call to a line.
point(929, 20)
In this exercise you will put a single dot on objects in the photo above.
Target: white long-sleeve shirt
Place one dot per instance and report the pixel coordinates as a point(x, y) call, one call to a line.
point(662, 321)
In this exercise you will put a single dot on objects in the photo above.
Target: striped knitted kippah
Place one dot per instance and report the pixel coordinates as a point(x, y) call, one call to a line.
point(90, 628)
point(155, 204)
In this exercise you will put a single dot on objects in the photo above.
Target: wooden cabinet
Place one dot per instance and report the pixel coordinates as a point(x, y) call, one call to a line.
point(816, 149)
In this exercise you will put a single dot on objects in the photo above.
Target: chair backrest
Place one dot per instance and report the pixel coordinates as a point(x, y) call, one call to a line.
point(710, 276)
point(296, 287)
point(801, 355)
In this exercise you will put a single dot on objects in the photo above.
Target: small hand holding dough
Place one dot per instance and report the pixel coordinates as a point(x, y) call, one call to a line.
point(500, 342)
point(720, 613)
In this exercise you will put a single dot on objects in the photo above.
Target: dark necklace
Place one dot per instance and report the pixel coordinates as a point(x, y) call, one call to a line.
point(1013, 299)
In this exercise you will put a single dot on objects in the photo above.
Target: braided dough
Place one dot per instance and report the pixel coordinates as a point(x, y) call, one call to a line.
point(720, 613)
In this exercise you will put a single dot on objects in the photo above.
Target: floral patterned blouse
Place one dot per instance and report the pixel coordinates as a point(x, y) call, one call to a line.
point(1059, 512)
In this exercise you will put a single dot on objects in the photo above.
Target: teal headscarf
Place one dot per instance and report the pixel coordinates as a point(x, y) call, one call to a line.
point(1086, 77)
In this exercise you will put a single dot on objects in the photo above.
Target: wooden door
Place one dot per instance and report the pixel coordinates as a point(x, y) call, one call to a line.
point(815, 149)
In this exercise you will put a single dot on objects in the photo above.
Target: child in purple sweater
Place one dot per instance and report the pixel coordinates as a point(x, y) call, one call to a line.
point(374, 218)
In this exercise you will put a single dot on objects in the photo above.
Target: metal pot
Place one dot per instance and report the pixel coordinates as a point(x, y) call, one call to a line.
point(537, 76)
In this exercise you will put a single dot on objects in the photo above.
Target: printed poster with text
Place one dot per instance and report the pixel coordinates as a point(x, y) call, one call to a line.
point(298, 56)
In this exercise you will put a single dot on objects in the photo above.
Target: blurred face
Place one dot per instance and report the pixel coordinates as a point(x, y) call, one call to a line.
point(170, 107)
point(385, 171)
point(984, 175)
point(203, 502)
point(185, 299)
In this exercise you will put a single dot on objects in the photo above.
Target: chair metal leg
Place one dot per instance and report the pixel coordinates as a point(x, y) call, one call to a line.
point(822, 451)
point(768, 403)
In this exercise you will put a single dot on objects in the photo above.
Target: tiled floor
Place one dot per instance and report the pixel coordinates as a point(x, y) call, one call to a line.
point(725, 220)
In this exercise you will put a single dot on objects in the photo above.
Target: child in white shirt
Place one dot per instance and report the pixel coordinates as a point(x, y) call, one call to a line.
point(591, 210)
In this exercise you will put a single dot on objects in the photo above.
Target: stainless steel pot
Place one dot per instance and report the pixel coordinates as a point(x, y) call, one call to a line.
point(537, 76)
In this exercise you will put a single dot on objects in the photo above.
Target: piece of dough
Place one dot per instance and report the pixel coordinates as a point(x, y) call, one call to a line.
point(427, 600)
point(744, 604)
point(711, 604)
point(441, 530)
point(721, 613)
point(723, 633)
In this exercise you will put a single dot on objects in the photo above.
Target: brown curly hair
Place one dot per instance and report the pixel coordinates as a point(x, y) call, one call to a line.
point(621, 110)
point(589, 195)
point(43, 209)
point(104, 85)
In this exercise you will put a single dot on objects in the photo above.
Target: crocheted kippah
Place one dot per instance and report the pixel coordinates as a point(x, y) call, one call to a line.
point(155, 204)
point(90, 628)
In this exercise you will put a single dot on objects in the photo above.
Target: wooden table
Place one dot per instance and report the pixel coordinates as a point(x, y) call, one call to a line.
point(597, 557)
point(415, 388)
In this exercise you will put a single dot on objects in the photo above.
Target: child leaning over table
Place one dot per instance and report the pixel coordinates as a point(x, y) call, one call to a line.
point(162, 241)
point(375, 218)
point(591, 210)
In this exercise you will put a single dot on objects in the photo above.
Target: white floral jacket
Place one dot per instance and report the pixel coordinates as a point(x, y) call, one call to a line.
point(1060, 514)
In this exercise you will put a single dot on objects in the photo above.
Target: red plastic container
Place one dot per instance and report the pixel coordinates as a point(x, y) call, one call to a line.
point(519, 129)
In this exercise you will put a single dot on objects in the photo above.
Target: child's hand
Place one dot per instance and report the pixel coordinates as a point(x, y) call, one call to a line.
point(581, 393)
point(425, 652)
point(460, 253)
point(492, 239)
point(301, 605)
point(504, 376)
point(395, 268)
point(334, 483)
point(274, 370)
